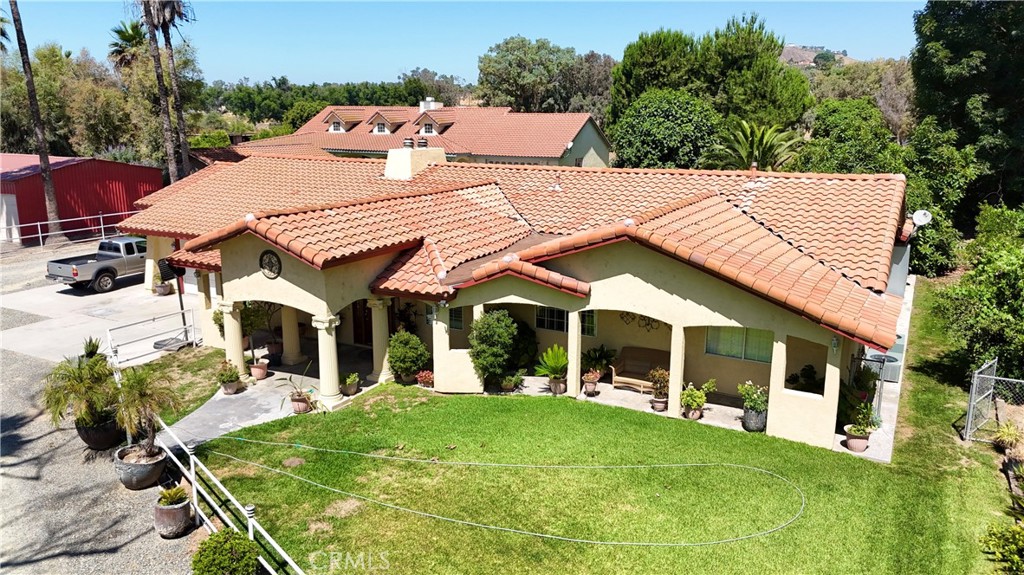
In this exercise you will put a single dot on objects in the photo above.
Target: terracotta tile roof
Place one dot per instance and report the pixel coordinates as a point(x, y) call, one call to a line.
point(476, 131)
point(711, 234)
point(185, 183)
point(207, 156)
point(208, 260)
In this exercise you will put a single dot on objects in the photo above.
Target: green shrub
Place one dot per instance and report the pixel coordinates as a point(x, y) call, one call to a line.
point(511, 382)
point(227, 373)
point(407, 354)
point(226, 552)
point(864, 420)
point(755, 398)
point(554, 363)
point(694, 398)
point(490, 344)
point(659, 382)
point(172, 496)
point(598, 358)
point(1007, 436)
point(1006, 544)
point(524, 346)
point(90, 347)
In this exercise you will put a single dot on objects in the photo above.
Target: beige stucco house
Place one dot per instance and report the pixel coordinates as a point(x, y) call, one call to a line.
point(740, 275)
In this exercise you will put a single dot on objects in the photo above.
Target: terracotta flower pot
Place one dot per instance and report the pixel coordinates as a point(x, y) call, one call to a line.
point(301, 404)
point(855, 443)
point(589, 387)
point(694, 414)
point(163, 289)
point(275, 347)
point(230, 388)
point(258, 370)
point(659, 404)
point(172, 521)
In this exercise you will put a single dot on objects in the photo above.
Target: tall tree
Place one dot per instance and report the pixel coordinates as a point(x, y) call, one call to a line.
point(54, 231)
point(745, 145)
point(522, 73)
point(129, 39)
point(662, 59)
point(445, 88)
point(152, 21)
point(968, 66)
point(5, 39)
point(666, 129)
point(174, 11)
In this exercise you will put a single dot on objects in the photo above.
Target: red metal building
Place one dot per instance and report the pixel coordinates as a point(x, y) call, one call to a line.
point(86, 187)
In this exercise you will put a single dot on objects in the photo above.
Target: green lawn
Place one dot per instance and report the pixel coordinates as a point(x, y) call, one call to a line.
point(193, 374)
point(922, 514)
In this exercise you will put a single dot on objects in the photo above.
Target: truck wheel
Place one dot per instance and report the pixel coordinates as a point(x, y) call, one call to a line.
point(103, 282)
point(79, 285)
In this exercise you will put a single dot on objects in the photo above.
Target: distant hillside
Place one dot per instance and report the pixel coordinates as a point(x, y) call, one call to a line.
point(803, 56)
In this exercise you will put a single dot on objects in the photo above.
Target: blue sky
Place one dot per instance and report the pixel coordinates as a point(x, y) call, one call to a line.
point(341, 42)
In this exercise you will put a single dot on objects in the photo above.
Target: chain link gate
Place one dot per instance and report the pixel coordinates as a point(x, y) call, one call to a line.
point(986, 388)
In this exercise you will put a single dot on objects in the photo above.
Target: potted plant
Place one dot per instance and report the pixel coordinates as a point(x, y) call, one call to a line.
point(554, 364)
point(407, 355)
point(140, 398)
point(85, 388)
point(512, 382)
point(590, 381)
point(425, 378)
point(858, 432)
point(258, 368)
point(659, 388)
point(172, 516)
point(228, 378)
point(91, 348)
point(598, 358)
point(302, 399)
point(226, 552)
point(755, 406)
point(266, 312)
point(163, 288)
point(351, 385)
point(693, 399)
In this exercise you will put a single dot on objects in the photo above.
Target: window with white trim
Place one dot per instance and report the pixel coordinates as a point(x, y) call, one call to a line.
point(455, 318)
point(555, 319)
point(588, 323)
point(381, 128)
point(740, 343)
point(428, 128)
point(335, 126)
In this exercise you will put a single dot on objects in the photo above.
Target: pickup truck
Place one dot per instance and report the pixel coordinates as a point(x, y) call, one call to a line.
point(116, 257)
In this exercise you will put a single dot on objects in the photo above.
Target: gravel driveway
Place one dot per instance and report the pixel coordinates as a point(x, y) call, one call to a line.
point(63, 509)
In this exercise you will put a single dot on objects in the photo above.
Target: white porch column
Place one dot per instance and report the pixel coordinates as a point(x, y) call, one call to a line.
point(211, 335)
point(292, 353)
point(675, 371)
point(830, 407)
point(574, 349)
point(203, 282)
point(379, 321)
point(233, 335)
point(330, 378)
point(777, 389)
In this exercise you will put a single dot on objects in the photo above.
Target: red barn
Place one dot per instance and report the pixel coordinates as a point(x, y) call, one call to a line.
point(86, 187)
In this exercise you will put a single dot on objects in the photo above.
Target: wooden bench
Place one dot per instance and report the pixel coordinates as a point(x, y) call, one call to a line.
point(631, 367)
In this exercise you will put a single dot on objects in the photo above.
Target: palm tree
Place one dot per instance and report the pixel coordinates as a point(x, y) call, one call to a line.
point(54, 231)
point(4, 38)
point(85, 385)
point(749, 145)
point(129, 38)
point(152, 21)
point(142, 397)
point(171, 13)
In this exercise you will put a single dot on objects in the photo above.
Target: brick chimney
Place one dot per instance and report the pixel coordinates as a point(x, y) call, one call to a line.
point(405, 162)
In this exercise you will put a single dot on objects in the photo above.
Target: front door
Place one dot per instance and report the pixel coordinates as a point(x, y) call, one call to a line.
point(362, 323)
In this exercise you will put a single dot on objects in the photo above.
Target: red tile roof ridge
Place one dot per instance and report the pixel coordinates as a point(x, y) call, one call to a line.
point(685, 171)
point(530, 272)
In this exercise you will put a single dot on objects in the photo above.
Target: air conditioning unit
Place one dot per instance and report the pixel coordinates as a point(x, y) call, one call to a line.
point(891, 366)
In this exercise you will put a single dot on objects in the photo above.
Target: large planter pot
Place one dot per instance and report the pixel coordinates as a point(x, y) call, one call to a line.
point(590, 387)
point(659, 404)
point(245, 342)
point(507, 388)
point(691, 413)
point(408, 377)
point(350, 388)
point(301, 404)
point(855, 443)
point(258, 370)
point(230, 388)
point(163, 289)
point(557, 386)
point(102, 436)
point(754, 421)
point(172, 521)
point(137, 476)
point(275, 348)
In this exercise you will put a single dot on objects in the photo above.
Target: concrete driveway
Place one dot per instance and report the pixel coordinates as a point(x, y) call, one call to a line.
point(63, 509)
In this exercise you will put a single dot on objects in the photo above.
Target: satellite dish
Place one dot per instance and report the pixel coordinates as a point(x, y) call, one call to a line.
point(922, 218)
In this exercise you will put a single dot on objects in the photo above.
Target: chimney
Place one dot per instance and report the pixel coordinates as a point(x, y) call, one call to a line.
point(405, 162)
point(430, 104)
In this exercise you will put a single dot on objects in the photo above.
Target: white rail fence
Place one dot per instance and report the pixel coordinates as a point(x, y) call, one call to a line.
point(87, 229)
point(134, 343)
point(209, 491)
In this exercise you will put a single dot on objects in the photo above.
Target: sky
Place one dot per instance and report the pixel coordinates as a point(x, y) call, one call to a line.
point(351, 42)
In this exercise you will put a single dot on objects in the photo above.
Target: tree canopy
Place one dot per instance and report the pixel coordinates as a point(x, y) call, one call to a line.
point(737, 67)
point(666, 129)
point(744, 145)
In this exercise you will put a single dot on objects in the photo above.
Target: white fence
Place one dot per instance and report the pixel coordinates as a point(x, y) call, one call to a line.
point(208, 490)
point(134, 343)
point(87, 228)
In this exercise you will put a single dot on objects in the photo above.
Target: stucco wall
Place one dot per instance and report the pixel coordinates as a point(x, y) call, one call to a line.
point(589, 146)
point(800, 352)
point(728, 372)
point(157, 247)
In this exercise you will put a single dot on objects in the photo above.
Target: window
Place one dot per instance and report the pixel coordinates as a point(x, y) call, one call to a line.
point(579, 162)
point(455, 317)
point(335, 126)
point(740, 343)
point(129, 249)
point(428, 128)
point(381, 128)
point(588, 322)
point(141, 246)
point(552, 318)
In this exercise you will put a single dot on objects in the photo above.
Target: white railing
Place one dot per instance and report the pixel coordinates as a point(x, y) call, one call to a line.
point(103, 229)
point(131, 342)
point(197, 474)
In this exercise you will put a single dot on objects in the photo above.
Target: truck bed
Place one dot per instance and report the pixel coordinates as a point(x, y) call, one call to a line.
point(86, 259)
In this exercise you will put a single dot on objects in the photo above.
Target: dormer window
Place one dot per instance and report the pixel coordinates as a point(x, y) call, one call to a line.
point(381, 128)
point(336, 127)
point(428, 129)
